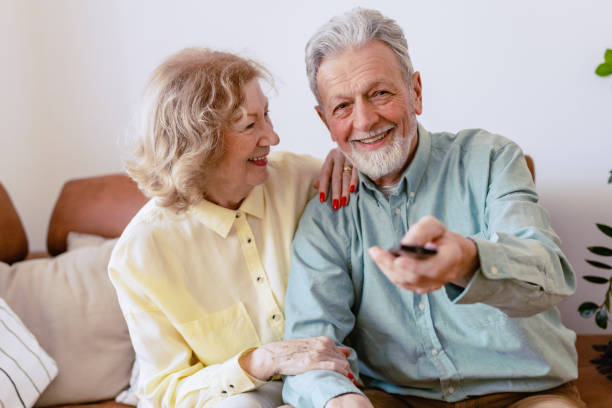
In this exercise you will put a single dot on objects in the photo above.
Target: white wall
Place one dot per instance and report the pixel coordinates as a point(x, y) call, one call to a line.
point(73, 70)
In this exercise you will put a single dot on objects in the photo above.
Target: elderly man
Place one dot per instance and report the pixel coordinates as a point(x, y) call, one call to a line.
point(475, 323)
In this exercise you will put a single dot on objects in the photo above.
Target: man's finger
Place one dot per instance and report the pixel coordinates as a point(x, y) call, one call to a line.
point(425, 231)
point(382, 258)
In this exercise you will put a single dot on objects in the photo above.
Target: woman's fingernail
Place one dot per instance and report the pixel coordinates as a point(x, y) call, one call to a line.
point(350, 376)
point(321, 197)
point(352, 189)
point(343, 202)
point(336, 204)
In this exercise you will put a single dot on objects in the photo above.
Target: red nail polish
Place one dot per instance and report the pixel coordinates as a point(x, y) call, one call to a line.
point(350, 376)
point(355, 383)
point(343, 202)
point(321, 197)
point(336, 204)
point(352, 189)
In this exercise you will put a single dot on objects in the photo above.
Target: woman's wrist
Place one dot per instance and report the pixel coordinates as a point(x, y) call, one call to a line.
point(257, 363)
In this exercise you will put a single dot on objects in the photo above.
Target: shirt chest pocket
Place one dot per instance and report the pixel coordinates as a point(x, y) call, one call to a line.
point(216, 337)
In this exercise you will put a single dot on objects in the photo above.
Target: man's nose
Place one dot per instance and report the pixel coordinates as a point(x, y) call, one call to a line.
point(364, 116)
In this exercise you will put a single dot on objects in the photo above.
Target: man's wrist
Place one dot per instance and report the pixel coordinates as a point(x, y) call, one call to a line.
point(350, 399)
point(471, 262)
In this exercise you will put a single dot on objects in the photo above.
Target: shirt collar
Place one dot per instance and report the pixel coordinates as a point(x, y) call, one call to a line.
point(412, 176)
point(221, 219)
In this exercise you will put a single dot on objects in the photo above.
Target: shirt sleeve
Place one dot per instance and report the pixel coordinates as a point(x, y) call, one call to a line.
point(171, 375)
point(522, 269)
point(320, 296)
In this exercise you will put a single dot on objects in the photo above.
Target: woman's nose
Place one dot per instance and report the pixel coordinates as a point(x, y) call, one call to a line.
point(269, 137)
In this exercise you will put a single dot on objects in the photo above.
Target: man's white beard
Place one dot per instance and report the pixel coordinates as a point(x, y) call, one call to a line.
point(382, 161)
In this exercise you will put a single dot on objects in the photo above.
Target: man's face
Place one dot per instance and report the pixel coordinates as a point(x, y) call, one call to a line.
point(370, 110)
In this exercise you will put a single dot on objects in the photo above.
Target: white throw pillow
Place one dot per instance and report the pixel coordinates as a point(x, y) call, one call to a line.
point(76, 240)
point(25, 369)
point(70, 305)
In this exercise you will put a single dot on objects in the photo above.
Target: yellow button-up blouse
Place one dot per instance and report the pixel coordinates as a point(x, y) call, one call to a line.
point(200, 288)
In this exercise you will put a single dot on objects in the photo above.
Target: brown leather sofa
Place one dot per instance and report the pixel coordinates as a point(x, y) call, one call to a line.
point(104, 205)
point(98, 205)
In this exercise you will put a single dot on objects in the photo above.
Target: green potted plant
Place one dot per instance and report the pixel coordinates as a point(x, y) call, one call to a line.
point(600, 311)
point(591, 309)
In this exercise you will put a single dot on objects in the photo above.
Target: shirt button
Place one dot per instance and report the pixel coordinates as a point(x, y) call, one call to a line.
point(249, 240)
point(223, 392)
point(275, 317)
point(434, 352)
point(259, 279)
point(231, 385)
point(398, 211)
point(450, 390)
point(494, 270)
point(411, 194)
point(422, 306)
point(237, 215)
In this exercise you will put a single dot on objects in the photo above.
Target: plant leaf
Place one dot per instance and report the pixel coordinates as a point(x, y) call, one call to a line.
point(604, 69)
point(587, 309)
point(595, 279)
point(608, 56)
point(601, 318)
point(610, 179)
point(599, 250)
point(598, 264)
point(605, 228)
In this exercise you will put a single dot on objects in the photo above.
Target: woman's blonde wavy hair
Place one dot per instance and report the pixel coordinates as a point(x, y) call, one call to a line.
point(190, 99)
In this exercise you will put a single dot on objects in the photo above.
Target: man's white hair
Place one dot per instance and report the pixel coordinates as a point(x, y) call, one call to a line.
point(353, 30)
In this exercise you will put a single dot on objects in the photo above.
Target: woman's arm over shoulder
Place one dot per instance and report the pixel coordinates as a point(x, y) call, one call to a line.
point(298, 168)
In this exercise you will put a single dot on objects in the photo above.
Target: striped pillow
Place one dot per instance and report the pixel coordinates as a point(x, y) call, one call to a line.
point(25, 368)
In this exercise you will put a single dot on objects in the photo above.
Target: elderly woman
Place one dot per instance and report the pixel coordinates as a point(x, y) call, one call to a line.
point(201, 270)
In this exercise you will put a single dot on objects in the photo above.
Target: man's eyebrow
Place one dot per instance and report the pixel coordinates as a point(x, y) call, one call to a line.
point(378, 83)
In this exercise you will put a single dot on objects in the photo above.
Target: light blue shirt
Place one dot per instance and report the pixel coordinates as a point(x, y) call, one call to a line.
point(502, 333)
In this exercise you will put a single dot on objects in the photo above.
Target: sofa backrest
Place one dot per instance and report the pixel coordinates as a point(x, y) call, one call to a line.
point(101, 205)
point(13, 240)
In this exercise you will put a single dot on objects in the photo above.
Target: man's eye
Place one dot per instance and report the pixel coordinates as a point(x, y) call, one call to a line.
point(340, 107)
point(250, 125)
point(381, 92)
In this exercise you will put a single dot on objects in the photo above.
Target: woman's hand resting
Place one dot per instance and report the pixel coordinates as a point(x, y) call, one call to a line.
point(296, 356)
point(344, 178)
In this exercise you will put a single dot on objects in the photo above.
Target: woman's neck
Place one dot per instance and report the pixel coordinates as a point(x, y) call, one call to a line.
point(227, 197)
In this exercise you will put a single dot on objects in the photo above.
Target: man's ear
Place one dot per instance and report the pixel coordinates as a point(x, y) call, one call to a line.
point(417, 92)
point(322, 117)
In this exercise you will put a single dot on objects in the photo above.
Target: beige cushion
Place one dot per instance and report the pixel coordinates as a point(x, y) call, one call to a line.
point(25, 369)
point(71, 307)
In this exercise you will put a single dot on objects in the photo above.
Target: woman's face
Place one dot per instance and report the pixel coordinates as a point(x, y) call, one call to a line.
point(247, 142)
